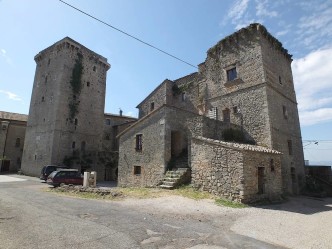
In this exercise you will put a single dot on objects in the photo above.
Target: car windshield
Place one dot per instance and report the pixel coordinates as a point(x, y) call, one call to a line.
point(53, 173)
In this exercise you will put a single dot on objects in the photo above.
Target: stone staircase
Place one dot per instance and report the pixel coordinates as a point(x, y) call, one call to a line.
point(176, 177)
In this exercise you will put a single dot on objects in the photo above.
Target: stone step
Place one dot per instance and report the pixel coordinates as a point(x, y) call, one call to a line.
point(173, 175)
point(171, 179)
point(168, 183)
point(166, 186)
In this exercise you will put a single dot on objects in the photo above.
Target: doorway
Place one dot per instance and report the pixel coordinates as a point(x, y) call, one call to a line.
point(176, 143)
point(5, 165)
point(260, 181)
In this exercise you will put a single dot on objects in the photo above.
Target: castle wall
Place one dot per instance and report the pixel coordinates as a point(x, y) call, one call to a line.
point(60, 117)
point(284, 118)
point(244, 96)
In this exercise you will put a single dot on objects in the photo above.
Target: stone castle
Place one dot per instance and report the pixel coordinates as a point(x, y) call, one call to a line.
point(233, 125)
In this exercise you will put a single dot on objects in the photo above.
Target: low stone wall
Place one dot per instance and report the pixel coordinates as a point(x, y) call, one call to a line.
point(230, 170)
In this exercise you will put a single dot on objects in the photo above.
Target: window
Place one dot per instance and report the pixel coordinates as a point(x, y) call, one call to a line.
point(285, 112)
point(293, 174)
point(18, 142)
point(73, 145)
point(94, 68)
point(137, 170)
point(107, 137)
point(49, 62)
point(43, 99)
point(76, 121)
point(226, 115)
point(231, 74)
point(272, 165)
point(290, 147)
point(151, 106)
point(45, 79)
point(213, 113)
point(108, 122)
point(183, 96)
point(235, 109)
point(139, 142)
point(280, 82)
point(88, 84)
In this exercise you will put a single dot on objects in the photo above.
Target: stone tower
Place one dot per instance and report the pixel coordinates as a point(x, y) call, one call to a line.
point(247, 80)
point(66, 115)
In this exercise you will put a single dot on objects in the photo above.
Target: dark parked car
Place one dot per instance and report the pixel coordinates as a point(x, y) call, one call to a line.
point(65, 176)
point(48, 169)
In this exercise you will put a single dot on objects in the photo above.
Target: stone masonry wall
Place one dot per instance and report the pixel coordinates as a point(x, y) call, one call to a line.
point(230, 170)
point(272, 176)
point(151, 159)
point(158, 97)
point(283, 112)
point(52, 132)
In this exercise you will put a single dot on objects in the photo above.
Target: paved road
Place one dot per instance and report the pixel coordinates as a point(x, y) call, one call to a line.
point(31, 217)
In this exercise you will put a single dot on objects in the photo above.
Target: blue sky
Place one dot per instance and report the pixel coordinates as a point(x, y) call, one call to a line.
point(187, 29)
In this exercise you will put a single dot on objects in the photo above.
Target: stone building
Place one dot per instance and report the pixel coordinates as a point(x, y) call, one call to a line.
point(245, 84)
point(68, 99)
point(12, 134)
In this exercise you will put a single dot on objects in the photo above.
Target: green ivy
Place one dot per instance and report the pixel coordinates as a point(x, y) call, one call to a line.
point(76, 85)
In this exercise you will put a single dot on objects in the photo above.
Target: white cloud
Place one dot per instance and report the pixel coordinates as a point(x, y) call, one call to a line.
point(316, 116)
point(11, 96)
point(315, 29)
point(238, 9)
point(3, 52)
point(312, 77)
point(262, 9)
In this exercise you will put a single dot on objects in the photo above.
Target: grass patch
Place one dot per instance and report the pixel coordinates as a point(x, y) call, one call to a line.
point(228, 203)
point(120, 193)
point(142, 193)
point(190, 192)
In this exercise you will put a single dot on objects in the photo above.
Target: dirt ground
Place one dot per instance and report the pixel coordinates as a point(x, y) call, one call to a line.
point(302, 222)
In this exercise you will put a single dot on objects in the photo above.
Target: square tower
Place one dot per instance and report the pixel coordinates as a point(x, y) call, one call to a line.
point(66, 115)
point(248, 81)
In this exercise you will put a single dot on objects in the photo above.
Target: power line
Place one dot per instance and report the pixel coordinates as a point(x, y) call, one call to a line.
point(127, 34)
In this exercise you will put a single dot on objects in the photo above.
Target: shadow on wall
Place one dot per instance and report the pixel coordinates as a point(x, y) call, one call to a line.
point(224, 131)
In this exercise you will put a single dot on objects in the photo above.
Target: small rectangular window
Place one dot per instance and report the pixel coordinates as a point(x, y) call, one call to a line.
point(139, 142)
point(213, 112)
point(285, 112)
point(272, 165)
point(290, 147)
point(108, 122)
point(137, 170)
point(73, 145)
point(231, 74)
point(152, 106)
point(280, 82)
point(183, 96)
point(235, 110)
